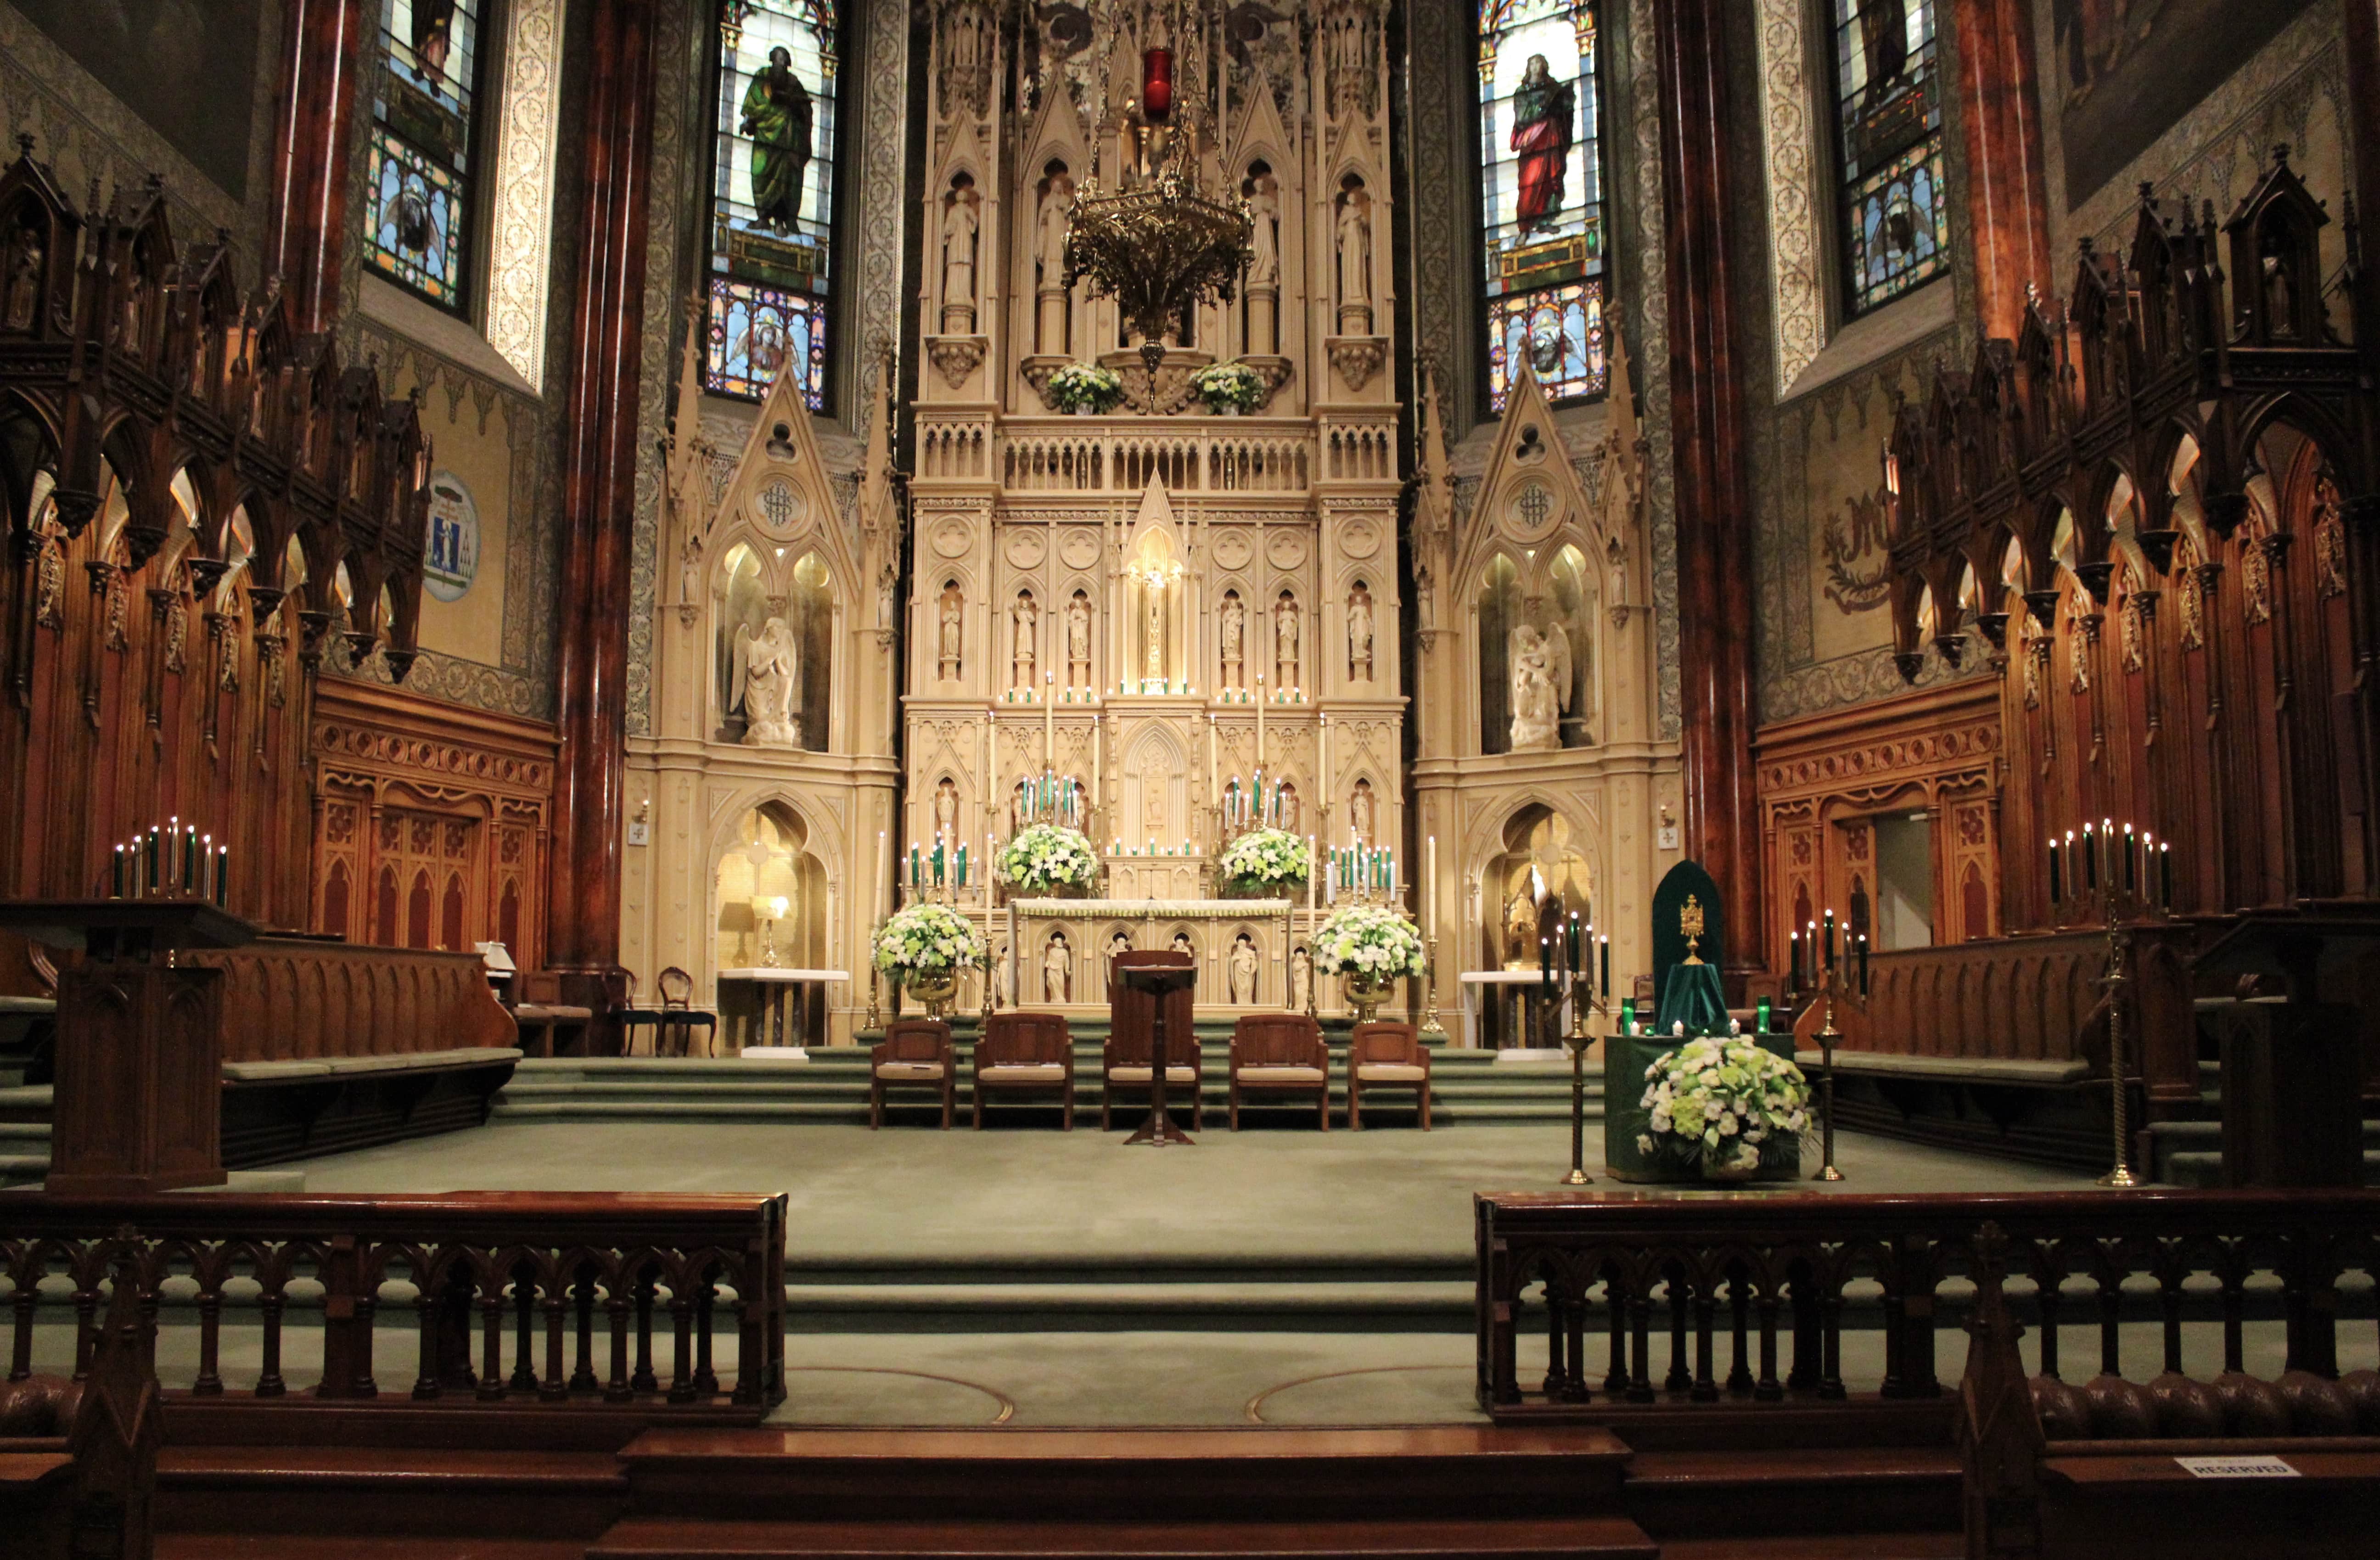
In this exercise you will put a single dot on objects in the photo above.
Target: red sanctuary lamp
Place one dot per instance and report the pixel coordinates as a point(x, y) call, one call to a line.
point(1156, 85)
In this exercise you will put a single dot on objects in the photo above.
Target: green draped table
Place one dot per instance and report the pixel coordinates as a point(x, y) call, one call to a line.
point(1625, 1057)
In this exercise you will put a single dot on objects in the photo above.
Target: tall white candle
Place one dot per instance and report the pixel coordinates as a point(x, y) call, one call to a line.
point(1429, 886)
point(883, 870)
point(1260, 704)
point(1313, 876)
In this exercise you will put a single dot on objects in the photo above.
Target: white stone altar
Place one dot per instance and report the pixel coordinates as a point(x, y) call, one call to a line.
point(1066, 945)
point(779, 988)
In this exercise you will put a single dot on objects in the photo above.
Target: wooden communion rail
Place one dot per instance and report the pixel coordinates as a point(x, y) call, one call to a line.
point(505, 1259)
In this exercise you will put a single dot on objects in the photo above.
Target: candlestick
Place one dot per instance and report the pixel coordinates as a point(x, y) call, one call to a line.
point(2054, 895)
point(2090, 859)
point(1863, 964)
point(1628, 1015)
point(115, 876)
point(1829, 943)
point(223, 872)
point(1313, 875)
point(1545, 963)
point(2164, 875)
point(1573, 942)
point(1606, 966)
point(1429, 885)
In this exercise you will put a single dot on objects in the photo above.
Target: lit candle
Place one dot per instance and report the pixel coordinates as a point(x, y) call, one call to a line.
point(2090, 859)
point(1573, 951)
point(2056, 892)
point(1313, 878)
point(1545, 964)
point(1606, 966)
point(116, 876)
point(1863, 964)
point(883, 870)
point(2164, 875)
point(1793, 960)
point(223, 872)
point(2130, 880)
point(1829, 943)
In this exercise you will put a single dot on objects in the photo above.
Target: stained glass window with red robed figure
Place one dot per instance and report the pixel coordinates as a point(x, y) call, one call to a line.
point(1541, 190)
point(1894, 209)
point(772, 191)
point(420, 210)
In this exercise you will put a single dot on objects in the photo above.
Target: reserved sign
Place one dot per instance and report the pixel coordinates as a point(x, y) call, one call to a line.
point(2237, 1467)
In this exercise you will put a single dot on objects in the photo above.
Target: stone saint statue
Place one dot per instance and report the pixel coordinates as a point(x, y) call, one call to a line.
point(1284, 643)
point(1119, 943)
point(1078, 642)
point(1007, 976)
point(1356, 250)
point(24, 281)
point(1359, 811)
point(777, 117)
point(946, 811)
point(766, 670)
point(1050, 226)
point(958, 259)
point(1301, 979)
point(1359, 635)
point(1264, 203)
point(953, 607)
point(1235, 641)
point(1027, 618)
point(1181, 944)
point(1057, 969)
point(1242, 972)
point(1540, 670)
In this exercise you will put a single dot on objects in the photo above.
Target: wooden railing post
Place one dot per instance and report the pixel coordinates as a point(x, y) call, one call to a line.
point(346, 1320)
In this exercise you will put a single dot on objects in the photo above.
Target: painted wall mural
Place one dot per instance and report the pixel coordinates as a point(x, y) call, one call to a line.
point(188, 67)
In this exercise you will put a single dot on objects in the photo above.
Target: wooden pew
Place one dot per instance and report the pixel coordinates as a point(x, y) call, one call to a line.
point(332, 1046)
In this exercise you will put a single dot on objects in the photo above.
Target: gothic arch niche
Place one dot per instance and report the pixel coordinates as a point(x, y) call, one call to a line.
point(1231, 630)
point(1156, 791)
point(1575, 599)
point(1155, 593)
point(773, 645)
point(1535, 881)
point(769, 893)
point(1497, 610)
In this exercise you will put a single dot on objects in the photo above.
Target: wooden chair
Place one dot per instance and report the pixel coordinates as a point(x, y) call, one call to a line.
point(632, 1014)
point(548, 1026)
point(1386, 1056)
point(681, 1017)
point(1124, 1058)
point(1280, 1053)
point(1025, 1054)
point(915, 1053)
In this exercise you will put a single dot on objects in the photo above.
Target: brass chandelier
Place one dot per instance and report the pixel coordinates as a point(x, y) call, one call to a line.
point(1158, 243)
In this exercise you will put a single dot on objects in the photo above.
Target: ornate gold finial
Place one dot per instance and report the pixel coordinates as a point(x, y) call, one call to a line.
point(1690, 924)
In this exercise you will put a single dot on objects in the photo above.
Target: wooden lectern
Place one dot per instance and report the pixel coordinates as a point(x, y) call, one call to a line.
point(1150, 1004)
point(138, 1105)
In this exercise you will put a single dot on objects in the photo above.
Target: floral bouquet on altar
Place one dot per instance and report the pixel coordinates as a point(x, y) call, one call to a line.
point(1047, 858)
point(1370, 944)
point(928, 943)
point(1228, 387)
point(1720, 1102)
point(1086, 387)
point(1266, 863)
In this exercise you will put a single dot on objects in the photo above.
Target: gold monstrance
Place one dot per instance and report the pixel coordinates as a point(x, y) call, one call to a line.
point(1690, 927)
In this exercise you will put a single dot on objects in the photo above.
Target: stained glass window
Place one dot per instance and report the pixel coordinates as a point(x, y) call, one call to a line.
point(418, 193)
point(772, 196)
point(1895, 210)
point(1541, 190)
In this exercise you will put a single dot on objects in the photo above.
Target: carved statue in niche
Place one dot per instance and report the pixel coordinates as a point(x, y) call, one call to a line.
point(888, 583)
point(2256, 579)
point(1359, 634)
point(1241, 969)
point(1540, 676)
point(959, 224)
point(2035, 652)
point(766, 675)
point(1119, 943)
point(952, 608)
point(1026, 619)
point(2193, 608)
point(1425, 595)
point(177, 631)
point(50, 584)
point(1235, 641)
point(1051, 223)
point(1361, 817)
point(1057, 969)
point(2129, 627)
point(2078, 660)
point(946, 810)
point(1291, 818)
point(1264, 204)
point(1078, 641)
point(1355, 237)
point(1284, 642)
point(1153, 631)
point(1301, 979)
point(25, 259)
point(1006, 976)
point(1181, 944)
point(2329, 543)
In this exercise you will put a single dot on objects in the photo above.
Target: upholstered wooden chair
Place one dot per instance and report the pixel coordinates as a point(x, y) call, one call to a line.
point(1280, 1053)
point(1386, 1056)
point(913, 1054)
point(548, 1026)
point(1025, 1054)
point(681, 1017)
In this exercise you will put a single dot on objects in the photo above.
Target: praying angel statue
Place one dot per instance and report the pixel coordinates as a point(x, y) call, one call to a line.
point(1540, 671)
point(768, 668)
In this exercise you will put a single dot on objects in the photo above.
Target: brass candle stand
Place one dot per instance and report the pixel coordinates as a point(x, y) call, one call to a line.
point(1430, 1024)
point(1827, 1036)
point(1576, 1042)
point(2119, 1175)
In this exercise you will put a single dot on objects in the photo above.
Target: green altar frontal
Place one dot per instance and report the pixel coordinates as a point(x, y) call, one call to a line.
point(1625, 1057)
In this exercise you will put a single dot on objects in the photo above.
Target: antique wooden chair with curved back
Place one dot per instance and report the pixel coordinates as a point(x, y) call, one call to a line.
point(1025, 1054)
point(680, 1017)
point(1280, 1053)
point(913, 1054)
point(1381, 1055)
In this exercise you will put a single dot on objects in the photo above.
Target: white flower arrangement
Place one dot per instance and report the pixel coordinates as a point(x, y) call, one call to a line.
point(1370, 942)
point(929, 940)
point(1043, 856)
point(1717, 1100)
point(1080, 386)
point(1265, 861)
point(1228, 384)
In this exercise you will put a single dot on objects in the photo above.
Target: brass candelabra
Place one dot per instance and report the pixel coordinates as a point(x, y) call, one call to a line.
point(2120, 1175)
point(1430, 1024)
point(1827, 1037)
point(1578, 991)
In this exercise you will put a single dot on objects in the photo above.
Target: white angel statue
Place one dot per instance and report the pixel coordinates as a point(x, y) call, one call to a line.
point(768, 668)
point(1540, 662)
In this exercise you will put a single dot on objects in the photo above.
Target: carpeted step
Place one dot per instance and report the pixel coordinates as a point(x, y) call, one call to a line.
point(1301, 1307)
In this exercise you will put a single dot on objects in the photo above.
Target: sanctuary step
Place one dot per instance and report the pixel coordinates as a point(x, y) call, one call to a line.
point(1196, 1492)
point(1468, 1088)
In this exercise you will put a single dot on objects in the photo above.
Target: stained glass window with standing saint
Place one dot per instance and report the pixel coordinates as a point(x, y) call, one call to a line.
point(772, 197)
point(1894, 209)
point(419, 209)
point(1541, 190)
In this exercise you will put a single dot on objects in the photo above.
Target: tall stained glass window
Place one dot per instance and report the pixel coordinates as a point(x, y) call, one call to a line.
point(1895, 223)
point(418, 229)
point(1541, 185)
point(772, 196)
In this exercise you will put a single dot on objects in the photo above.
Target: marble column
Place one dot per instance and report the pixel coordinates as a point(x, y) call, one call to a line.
point(323, 55)
point(2007, 209)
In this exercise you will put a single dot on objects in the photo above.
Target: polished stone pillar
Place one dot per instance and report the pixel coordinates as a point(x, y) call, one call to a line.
point(599, 450)
point(2008, 216)
point(323, 54)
